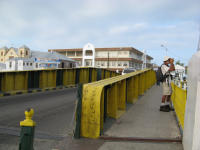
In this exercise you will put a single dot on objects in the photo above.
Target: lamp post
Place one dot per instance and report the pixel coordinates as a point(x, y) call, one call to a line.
point(165, 48)
point(198, 48)
point(108, 59)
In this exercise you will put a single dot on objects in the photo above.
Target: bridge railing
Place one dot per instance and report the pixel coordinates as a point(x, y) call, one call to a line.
point(108, 98)
point(179, 97)
point(14, 82)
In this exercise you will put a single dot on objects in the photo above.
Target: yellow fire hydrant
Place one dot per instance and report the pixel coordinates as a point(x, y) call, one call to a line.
point(27, 131)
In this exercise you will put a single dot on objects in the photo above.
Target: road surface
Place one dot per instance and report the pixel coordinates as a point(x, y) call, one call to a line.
point(54, 111)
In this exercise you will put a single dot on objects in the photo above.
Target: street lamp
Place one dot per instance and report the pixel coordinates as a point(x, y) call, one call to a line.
point(165, 48)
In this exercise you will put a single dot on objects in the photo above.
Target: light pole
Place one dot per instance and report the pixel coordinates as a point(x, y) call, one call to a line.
point(108, 59)
point(165, 48)
point(198, 47)
point(144, 59)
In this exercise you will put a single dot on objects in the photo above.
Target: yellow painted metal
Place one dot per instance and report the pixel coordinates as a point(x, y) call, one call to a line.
point(84, 75)
point(14, 81)
point(121, 95)
point(47, 79)
point(90, 116)
point(21, 81)
point(130, 90)
point(8, 81)
point(135, 88)
point(112, 100)
point(69, 76)
point(179, 97)
point(107, 74)
point(94, 75)
point(28, 122)
point(93, 99)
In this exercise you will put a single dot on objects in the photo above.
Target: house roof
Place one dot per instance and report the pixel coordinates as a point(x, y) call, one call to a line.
point(12, 48)
point(49, 55)
point(4, 48)
point(22, 58)
point(23, 47)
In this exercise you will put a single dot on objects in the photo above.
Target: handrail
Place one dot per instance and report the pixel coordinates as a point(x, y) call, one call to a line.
point(14, 82)
point(108, 98)
point(179, 97)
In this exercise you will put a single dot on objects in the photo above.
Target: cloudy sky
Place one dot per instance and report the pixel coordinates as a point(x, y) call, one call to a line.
point(143, 24)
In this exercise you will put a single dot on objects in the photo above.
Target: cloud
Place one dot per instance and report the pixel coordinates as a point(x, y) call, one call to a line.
point(143, 24)
point(127, 28)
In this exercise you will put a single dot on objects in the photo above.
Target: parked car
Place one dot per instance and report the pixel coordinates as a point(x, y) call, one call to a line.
point(128, 70)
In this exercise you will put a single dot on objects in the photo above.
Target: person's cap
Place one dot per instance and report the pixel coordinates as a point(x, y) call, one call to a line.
point(166, 58)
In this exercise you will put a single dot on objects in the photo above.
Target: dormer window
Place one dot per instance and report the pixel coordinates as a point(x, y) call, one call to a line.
point(26, 52)
point(21, 53)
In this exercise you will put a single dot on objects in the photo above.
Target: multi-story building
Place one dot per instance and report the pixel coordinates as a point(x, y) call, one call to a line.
point(116, 58)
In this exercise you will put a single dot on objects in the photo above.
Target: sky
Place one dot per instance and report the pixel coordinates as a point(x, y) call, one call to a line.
point(142, 24)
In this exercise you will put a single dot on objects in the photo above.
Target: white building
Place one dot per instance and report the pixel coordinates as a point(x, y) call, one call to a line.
point(19, 64)
point(88, 58)
point(116, 58)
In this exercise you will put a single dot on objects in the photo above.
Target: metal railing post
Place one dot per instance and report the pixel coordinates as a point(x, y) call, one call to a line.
point(27, 131)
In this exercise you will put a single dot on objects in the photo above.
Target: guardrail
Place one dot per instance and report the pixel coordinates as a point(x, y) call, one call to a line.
point(17, 82)
point(108, 98)
point(179, 97)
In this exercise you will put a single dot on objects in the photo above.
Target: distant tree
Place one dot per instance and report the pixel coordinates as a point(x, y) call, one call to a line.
point(179, 63)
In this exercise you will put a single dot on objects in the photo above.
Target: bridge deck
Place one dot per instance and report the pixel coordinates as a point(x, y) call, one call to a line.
point(143, 119)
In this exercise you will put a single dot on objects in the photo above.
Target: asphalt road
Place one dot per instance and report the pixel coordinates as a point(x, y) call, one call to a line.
point(53, 115)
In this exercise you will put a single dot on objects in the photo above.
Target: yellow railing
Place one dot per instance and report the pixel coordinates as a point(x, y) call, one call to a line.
point(22, 81)
point(107, 98)
point(179, 97)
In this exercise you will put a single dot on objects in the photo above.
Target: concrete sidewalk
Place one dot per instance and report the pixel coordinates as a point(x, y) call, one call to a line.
point(143, 119)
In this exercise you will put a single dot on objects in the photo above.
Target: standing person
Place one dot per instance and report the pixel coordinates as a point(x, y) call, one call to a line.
point(166, 68)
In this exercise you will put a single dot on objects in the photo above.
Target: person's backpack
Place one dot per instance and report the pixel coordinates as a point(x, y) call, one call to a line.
point(159, 76)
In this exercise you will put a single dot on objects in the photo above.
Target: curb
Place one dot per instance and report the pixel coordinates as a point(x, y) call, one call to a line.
point(12, 93)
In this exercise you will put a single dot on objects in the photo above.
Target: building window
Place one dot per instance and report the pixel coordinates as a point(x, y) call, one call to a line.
point(125, 64)
point(70, 53)
point(10, 64)
point(113, 63)
point(79, 54)
point(1, 59)
point(26, 53)
point(1, 53)
point(23, 63)
point(87, 63)
point(27, 64)
point(31, 64)
point(36, 65)
point(102, 63)
point(88, 53)
point(119, 64)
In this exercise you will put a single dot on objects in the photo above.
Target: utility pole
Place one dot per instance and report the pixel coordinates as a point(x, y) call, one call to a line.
point(144, 59)
point(108, 59)
point(198, 47)
point(165, 48)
